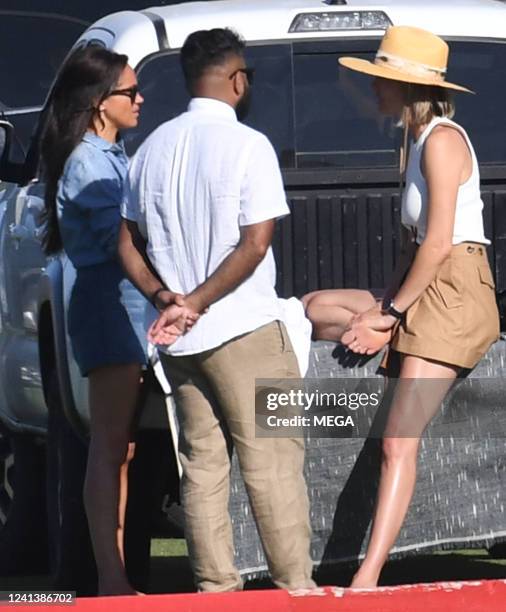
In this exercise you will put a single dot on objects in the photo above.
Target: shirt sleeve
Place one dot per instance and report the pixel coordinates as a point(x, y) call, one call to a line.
point(133, 206)
point(130, 203)
point(262, 193)
point(99, 197)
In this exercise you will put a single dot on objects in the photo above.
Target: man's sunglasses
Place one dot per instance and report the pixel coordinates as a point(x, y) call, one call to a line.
point(130, 92)
point(249, 72)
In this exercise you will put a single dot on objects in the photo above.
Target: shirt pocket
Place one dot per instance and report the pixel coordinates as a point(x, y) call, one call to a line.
point(224, 188)
point(224, 213)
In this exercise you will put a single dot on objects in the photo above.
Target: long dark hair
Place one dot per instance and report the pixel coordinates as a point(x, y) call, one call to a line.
point(84, 80)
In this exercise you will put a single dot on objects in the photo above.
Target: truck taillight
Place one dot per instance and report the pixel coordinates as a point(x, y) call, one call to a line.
point(340, 21)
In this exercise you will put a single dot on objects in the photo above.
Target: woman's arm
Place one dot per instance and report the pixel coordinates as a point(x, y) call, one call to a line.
point(138, 268)
point(445, 160)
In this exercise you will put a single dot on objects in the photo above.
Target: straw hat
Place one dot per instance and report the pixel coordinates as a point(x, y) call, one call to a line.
point(410, 55)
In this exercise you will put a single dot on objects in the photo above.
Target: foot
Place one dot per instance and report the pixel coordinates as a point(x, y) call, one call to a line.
point(366, 341)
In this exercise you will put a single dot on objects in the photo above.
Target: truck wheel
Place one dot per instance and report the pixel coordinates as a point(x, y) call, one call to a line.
point(70, 553)
point(23, 541)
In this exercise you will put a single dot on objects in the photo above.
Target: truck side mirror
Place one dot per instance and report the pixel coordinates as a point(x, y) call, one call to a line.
point(9, 172)
point(6, 132)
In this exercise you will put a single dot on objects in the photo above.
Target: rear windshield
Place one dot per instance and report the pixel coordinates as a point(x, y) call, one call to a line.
point(320, 115)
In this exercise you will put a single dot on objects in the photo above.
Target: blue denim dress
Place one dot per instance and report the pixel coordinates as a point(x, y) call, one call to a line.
point(106, 312)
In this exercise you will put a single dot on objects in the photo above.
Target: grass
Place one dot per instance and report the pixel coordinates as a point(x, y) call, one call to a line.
point(171, 572)
point(168, 559)
point(474, 554)
point(168, 548)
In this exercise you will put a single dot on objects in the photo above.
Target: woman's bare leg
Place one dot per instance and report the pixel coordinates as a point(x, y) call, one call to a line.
point(414, 404)
point(123, 498)
point(113, 395)
point(331, 310)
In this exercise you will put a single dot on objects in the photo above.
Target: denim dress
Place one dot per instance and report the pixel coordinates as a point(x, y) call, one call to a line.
point(106, 312)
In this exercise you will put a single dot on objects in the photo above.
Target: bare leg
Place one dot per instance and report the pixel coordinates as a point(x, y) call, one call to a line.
point(123, 498)
point(113, 394)
point(414, 404)
point(330, 311)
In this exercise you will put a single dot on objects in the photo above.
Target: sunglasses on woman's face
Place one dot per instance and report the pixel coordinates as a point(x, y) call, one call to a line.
point(130, 92)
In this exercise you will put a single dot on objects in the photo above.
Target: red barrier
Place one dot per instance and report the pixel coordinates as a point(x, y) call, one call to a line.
point(475, 596)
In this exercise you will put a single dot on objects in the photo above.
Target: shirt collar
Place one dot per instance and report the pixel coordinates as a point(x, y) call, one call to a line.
point(102, 143)
point(213, 106)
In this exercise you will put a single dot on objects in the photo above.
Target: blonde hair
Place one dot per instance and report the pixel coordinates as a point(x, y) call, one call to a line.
point(424, 102)
point(421, 104)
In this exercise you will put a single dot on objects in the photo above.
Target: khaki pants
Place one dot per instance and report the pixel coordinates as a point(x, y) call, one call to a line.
point(215, 401)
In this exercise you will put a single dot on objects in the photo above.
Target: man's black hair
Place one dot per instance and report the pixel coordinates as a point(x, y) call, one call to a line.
point(207, 48)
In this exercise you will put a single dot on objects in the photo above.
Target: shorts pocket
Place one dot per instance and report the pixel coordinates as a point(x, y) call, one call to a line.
point(447, 285)
point(486, 278)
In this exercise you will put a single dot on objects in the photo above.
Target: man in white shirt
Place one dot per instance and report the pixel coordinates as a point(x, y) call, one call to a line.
point(205, 191)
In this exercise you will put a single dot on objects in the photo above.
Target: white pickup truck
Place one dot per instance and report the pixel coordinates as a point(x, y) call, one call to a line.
point(339, 160)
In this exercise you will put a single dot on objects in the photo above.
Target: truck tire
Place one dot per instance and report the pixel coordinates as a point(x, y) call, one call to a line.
point(23, 536)
point(71, 559)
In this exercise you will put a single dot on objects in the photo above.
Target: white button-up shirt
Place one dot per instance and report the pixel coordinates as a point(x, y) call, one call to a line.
point(193, 183)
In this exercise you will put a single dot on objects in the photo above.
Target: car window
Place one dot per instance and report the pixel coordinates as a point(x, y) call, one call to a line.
point(337, 122)
point(320, 115)
point(271, 109)
point(161, 82)
point(481, 66)
point(313, 115)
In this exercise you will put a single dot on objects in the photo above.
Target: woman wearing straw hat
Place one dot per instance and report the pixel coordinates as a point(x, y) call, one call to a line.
point(439, 313)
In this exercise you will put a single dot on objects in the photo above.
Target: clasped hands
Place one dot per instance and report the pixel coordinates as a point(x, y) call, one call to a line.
point(368, 332)
point(177, 316)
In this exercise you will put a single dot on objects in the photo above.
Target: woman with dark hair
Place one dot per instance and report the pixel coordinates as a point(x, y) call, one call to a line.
point(85, 166)
point(439, 313)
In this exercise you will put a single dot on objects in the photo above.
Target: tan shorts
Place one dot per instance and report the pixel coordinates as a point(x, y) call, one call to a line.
point(455, 320)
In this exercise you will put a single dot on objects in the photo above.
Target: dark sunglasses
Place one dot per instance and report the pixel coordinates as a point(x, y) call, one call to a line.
point(249, 72)
point(130, 92)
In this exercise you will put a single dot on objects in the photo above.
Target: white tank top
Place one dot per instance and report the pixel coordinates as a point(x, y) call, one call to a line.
point(468, 225)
